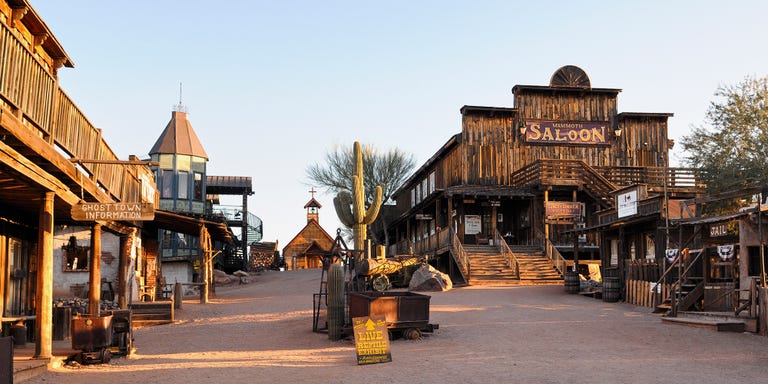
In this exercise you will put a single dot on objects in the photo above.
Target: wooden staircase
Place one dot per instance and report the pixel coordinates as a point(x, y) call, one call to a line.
point(691, 291)
point(489, 266)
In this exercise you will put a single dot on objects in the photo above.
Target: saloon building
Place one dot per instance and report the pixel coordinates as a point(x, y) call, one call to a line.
point(561, 174)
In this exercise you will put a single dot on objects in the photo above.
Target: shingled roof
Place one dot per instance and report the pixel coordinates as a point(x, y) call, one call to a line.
point(179, 138)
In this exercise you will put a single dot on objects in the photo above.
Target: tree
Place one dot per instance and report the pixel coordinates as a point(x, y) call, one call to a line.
point(389, 169)
point(732, 147)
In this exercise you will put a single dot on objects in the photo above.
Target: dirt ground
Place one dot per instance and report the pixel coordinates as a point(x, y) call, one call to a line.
point(262, 333)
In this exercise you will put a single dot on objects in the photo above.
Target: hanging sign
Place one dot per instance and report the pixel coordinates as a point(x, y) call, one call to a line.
point(113, 212)
point(627, 204)
point(563, 209)
point(371, 340)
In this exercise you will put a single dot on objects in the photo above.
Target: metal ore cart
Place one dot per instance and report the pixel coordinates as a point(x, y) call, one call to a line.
point(406, 313)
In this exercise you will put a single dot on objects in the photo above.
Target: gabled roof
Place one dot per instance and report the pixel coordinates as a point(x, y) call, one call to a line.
point(313, 203)
point(179, 138)
point(311, 233)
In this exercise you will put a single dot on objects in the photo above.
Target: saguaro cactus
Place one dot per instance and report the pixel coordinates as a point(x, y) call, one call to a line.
point(335, 301)
point(357, 216)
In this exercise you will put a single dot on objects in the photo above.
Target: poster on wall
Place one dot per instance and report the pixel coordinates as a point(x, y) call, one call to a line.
point(472, 224)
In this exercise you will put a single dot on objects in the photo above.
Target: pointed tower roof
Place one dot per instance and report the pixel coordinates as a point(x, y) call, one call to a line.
point(179, 138)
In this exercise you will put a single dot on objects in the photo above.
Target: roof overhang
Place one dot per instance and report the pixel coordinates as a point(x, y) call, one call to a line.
point(190, 225)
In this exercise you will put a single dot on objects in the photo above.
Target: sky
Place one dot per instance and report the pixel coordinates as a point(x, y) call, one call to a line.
point(272, 86)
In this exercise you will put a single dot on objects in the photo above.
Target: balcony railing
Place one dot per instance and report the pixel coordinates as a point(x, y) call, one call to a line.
point(27, 87)
point(604, 179)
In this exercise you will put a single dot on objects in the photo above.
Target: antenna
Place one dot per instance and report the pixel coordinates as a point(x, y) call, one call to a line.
point(180, 107)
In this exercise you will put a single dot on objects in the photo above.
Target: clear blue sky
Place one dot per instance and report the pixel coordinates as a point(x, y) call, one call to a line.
point(271, 86)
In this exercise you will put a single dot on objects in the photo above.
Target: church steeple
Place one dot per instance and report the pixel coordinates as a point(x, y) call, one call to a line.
point(313, 207)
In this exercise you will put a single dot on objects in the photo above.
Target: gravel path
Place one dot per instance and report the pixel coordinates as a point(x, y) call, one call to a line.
point(262, 333)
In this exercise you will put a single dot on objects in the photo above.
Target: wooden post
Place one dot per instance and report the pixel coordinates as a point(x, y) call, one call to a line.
point(763, 309)
point(94, 272)
point(126, 244)
point(44, 302)
point(546, 224)
point(204, 256)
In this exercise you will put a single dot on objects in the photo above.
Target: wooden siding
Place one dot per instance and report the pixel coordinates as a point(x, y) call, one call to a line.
point(486, 147)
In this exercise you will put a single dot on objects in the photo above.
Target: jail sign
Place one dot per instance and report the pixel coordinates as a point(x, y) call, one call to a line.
point(113, 212)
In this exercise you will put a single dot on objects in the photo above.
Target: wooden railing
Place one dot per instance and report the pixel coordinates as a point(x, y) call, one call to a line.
point(654, 176)
point(28, 87)
point(603, 179)
point(554, 256)
point(512, 261)
point(460, 255)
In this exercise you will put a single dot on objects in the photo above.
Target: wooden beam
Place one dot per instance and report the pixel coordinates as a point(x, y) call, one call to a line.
point(45, 150)
point(36, 175)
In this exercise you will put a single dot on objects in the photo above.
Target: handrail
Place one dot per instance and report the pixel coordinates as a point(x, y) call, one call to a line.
point(675, 288)
point(28, 87)
point(512, 261)
point(558, 261)
point(461, 256)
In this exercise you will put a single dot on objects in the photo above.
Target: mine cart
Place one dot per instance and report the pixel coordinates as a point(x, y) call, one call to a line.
point(93, 336)
point(406, 313)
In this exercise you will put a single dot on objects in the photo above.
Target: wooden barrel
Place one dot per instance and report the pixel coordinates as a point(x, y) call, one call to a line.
point(571, 282)
point(611, 289)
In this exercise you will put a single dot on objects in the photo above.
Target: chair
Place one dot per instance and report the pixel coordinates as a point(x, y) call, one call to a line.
point(145, 293)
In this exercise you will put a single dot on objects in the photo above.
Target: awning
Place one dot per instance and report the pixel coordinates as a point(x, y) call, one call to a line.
point(714, 219)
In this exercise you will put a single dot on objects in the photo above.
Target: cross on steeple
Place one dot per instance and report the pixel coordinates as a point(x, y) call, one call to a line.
point(312, 191)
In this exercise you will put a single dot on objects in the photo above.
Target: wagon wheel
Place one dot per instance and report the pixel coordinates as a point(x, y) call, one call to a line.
point(412, 334)
point(380, 283)
point(106, 355)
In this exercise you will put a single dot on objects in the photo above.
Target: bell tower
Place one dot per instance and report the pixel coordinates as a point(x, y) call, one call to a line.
point(313, 208)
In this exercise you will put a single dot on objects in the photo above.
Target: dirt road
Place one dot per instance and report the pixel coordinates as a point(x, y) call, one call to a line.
point(262, 333)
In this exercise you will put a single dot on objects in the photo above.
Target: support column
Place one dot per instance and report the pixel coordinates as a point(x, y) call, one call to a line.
point(94, 272)
point(546, 223)
point(244, 232)
point(44, 302)
point(204, 256)
point(123, 274)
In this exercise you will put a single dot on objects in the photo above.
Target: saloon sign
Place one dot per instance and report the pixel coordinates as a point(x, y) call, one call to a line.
point(558, 132)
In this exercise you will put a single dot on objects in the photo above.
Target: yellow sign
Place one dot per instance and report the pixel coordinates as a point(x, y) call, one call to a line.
point(113, 212)
point(371, 340)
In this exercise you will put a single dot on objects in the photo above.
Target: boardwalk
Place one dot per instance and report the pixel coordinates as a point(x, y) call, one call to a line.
point(262, 333)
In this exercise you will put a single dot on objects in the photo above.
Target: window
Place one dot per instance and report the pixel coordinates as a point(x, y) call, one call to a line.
point(432, 182)
point(198, 186)
point(75, 256)
point(183, 184)
point(166, 183)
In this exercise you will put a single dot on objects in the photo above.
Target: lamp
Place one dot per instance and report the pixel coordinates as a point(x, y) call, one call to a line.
point(522, 127)
point(617, 132)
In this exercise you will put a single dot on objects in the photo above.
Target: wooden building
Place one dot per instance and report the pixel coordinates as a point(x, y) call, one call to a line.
point(188, 191)
point(307, 248)
point(520, 180)
point(54, 162)
point(52, 159)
